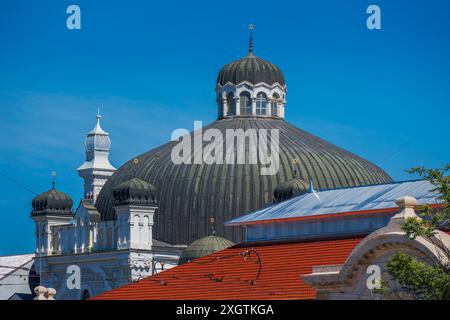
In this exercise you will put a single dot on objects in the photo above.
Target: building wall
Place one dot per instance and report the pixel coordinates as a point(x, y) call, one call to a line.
point(362, 224)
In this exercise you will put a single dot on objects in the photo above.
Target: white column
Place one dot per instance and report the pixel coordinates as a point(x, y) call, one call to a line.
point(253, 106)
point(224, 108)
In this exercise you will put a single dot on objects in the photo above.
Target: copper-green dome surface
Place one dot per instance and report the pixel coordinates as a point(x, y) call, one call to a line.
point(203, 247)
point(189, 194)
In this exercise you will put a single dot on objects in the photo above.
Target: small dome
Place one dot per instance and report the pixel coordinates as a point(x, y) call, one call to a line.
point(290, 188)
point(251, 69)
point(136, 192)
point(203, 247)
point(52, 202)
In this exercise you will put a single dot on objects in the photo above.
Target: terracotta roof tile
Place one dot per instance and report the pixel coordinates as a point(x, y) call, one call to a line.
point(227, 274)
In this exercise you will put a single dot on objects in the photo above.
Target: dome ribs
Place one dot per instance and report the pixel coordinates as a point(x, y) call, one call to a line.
point(190, 194)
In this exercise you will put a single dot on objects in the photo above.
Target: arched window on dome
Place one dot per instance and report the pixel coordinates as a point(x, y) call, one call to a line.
point(231, 103)
point(245, 103)
point(261, 103)
point(275, 102)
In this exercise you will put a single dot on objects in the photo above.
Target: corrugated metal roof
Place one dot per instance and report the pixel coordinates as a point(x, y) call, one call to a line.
point(335, 201)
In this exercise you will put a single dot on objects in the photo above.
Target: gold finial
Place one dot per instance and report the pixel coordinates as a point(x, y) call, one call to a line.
point(211, 222)
point(295, 162)
point(136, 162)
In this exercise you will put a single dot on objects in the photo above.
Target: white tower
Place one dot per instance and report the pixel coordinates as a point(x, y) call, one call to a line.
point(96, 169)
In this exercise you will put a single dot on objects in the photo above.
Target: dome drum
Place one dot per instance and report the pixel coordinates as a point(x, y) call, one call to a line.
point(246, 99)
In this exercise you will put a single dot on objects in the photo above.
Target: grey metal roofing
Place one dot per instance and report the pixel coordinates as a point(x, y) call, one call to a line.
point(251, 69)
point(94, 215)
point(342, 200)
point(189, 194)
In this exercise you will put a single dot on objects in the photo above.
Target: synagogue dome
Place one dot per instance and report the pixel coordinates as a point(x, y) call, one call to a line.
point(251, 98)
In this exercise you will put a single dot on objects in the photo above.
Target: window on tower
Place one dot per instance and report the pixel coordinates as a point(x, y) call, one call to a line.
point(261, 103)
point(275, 102)
point(245, 103)
point(231, 103)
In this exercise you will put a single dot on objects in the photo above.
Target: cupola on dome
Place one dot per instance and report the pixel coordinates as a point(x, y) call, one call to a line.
point(251, 86)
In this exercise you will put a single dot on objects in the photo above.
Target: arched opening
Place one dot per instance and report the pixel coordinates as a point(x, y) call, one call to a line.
point(275, 102)
point(245, 102)
point(261, 103)
point(231, 103)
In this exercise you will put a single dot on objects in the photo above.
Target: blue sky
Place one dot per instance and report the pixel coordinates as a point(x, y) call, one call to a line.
point(151, 68)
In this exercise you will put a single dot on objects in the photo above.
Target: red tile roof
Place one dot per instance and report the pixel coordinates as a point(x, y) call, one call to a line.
point(228, 274)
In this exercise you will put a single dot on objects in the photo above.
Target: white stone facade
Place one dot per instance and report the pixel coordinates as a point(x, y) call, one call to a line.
point(82, 256)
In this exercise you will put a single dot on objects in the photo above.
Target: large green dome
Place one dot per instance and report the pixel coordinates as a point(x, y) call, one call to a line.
point(189, 194)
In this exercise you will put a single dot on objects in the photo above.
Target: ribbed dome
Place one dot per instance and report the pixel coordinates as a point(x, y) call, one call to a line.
point(290, 188)
point(203, 247)
point(136, 192)
point(52, 202)
point(251, 69)
point(189, 194)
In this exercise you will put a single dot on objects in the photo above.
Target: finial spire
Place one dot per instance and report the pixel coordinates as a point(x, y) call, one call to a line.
point(98, 116)
point(136, 162)
point(213, 230)
point(250, 45)
point(294, 163)
point(53, 178)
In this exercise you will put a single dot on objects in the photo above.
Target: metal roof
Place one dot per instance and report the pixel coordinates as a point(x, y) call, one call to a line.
point(189, 194)
point(343, 200)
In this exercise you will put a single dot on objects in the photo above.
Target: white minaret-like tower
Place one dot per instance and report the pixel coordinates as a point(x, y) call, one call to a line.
point(96, 169)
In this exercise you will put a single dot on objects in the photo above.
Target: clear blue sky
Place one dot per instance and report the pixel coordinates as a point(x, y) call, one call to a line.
point(151, 67)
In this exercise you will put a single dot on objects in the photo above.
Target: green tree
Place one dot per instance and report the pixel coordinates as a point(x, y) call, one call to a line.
point(420, 280)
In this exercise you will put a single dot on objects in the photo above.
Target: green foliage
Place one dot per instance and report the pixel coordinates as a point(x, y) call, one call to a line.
point(414, 227)
point(419, 279)
point(441, 184)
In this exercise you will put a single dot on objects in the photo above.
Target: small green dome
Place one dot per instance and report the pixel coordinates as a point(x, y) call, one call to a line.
point(203, 247)
point(52, 202)
point(135, 192)
point(289, 189)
